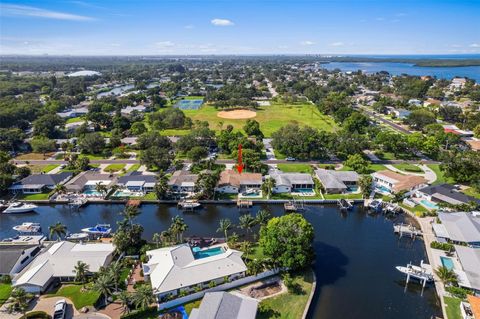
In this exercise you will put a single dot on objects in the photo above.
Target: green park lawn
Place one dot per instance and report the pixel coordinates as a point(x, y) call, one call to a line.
point(452, 307)
point(112, 168)
point(288, 305)
point(408, 168)
point(80, 298)
point(296, 168)
point(441, 179)
point(271, 118)
point(5, 290)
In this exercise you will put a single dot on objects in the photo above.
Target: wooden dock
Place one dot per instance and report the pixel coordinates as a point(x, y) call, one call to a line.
point(242, 203)
point(407, 230)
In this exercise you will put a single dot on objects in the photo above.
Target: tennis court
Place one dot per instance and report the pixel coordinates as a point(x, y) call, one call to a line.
point(189, 104)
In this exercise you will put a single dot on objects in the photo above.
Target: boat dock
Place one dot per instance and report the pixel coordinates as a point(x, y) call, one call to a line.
point(422, 273)
point(294, 206)
point(344, 204)
point(188, 205)
point(407, 230)
point(242, 203)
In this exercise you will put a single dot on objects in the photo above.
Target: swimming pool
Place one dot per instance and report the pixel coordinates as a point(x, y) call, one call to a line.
point(428, 204)
point(203, 253)
point(127, 193)
point(447, 262)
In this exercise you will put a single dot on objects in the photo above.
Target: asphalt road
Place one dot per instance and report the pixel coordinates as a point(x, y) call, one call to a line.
point(377, 117)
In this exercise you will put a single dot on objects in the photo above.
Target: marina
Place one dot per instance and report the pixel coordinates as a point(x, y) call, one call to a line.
point(344, 243)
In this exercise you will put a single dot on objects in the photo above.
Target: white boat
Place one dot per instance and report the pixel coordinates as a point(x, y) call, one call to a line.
point(77, 236)
point(99, 229)
point(423, 273)
point(18, 208)
point(189, 204)
point(28, 228)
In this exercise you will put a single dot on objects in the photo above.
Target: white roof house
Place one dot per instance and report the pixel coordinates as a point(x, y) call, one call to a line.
point(59, 260)
point(459, 227)
point(177, 267)
point(470, 261)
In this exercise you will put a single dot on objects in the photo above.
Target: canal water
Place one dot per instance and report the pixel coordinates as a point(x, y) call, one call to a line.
point(356, 253)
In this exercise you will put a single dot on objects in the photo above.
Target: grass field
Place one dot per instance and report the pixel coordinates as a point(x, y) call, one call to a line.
point(271, 118)
point(452, 306)
point(33, 156)
point(408, 168)
point(372, 168)
point(472, 192)
point(75, 120)
point(79, 297)
point(345, 196)
point(5, 290)
point(114, 168)
point(440, 175)
point(296, 168)
point(133, 168)
point(42, 168)
point(41, 196)
point(288, 305)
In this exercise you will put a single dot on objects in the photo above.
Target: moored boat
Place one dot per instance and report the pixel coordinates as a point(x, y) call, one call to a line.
point(77, 236)
point(99, 229)
point(18, 208)
point(28, 228)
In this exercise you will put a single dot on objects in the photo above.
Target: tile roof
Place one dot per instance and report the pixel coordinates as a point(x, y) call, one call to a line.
point(233, 178)
point(400, 182)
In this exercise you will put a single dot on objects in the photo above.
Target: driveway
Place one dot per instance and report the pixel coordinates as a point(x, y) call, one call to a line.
point(47, 305)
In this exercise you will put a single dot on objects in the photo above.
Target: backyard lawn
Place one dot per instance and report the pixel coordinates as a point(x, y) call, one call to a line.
point(77, 295)
point(345, 196)
point(5, 290)
point(112, 168)
point(288, 305)
point(133, 168)
point(75, 120)
point(472, 192)
point(297, 168)
point(41, 196)
point(452, 306)
point(441, 179)
point(408, 168)
point(271, 118)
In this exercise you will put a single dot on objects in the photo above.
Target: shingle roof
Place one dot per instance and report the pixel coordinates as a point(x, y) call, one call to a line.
point(400, 182)
point(336, 179)
point(9, 255)
point(136, 176)
point(180, 177)
point(232, 177)
point(461, 227)
point(470, 260)
point(448, 193)
point(290, 179)
point(224, 305)
point(45, 179)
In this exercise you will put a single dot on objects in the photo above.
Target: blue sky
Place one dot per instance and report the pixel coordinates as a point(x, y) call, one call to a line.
point(159, 27)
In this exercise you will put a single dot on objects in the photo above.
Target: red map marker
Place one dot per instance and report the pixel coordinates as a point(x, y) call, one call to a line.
point(240, 162)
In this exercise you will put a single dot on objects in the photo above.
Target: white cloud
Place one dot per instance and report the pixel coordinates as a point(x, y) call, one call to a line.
point(26, 11)
point(474, 45)
point(222, 22)
point(164, 44)
point(307, 43)
point(337, 44)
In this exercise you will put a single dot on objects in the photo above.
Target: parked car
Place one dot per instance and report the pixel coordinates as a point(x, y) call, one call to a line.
point(291, 159)
point(60, 309)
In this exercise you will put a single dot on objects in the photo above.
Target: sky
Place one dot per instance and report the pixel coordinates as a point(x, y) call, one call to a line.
point(191, 27)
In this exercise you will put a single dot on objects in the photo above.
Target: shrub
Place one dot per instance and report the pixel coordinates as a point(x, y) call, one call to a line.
point(442, 246)
point(458, 292)
point(150, 312)
point(36, 315)
point(5, 279)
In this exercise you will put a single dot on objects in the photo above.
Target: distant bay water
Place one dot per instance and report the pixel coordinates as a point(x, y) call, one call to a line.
point(472, 72)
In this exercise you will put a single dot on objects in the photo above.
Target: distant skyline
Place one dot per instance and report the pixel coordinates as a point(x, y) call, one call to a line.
point(183, 27)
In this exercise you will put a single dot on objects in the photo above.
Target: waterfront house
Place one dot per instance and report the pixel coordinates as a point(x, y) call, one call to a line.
point(337, 182)
point(458, 228)
point(231, 182)
point(38, 183)
point(444, 193)
point(137, 182)
point(469, 275)
point(87, 182)
point(290, 182)
point(182, 268)
point(183, 181)
point(391, 182)
point(224, 305)
point(57, 263)
point(15, 257)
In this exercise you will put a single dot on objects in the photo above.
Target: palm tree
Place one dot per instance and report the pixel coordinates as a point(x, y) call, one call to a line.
point(263, 216)
point(178, 227)
point(18, 300)
point(115, 271)
point(268, 186)
point(130, 213)
point(81, 271)
point(247, 222)
point(224, 226)
point(60, 188)
point(124, 299)
point(58, 230)
point(246, 248)
point(157, 238)
point(233, 240)
point(365, 183)
point(103, 284)
point(446, 275)
point(161, 186)
point(143, 296)
point(99, 187)
point(165, 236)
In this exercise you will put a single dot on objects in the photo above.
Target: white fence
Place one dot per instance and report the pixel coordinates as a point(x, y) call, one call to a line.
point(222, 287)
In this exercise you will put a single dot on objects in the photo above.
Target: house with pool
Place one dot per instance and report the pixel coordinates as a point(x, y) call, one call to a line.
point(183, 182)
point(298, 183)
point(338, 182)
point(183, 269)
point(39, 183)
point(431, 196)
point(232, 182)
point(135, 183)
point(389, 182)
point(86, 183)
